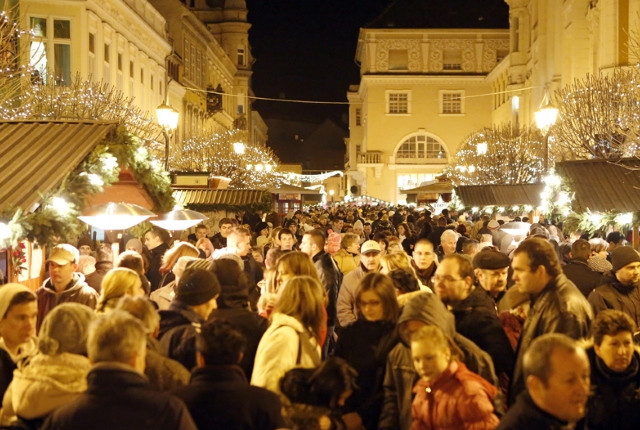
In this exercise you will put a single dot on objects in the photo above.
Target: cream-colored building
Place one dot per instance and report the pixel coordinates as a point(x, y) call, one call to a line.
point(555, 42)
point(421, 92)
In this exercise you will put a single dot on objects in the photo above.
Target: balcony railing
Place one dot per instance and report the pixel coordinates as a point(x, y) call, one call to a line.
point(370, 157)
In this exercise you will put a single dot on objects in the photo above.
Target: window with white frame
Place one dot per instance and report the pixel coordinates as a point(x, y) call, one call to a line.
point(106, 74)
point(398, 59)
point(398, 102)
point(142, 89)
point(131, 80)
point(418, 148)
point(240, 104)
point(120, 77)
point(198, 78)
point(187, 58)
point(241, 56)
point(358, 116)
point(92, 55)
point(413, 180)
point(452, 102)
point(50, 50)
point(452, 59)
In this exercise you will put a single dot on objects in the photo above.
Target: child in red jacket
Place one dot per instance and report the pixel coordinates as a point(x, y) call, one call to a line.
point(448, 395)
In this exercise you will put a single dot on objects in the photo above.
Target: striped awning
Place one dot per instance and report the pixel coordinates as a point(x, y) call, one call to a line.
point(500, 195)
point(35, 156)
point(212, 197)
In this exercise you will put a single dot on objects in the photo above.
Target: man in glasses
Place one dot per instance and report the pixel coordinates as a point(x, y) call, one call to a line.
point(474, 312)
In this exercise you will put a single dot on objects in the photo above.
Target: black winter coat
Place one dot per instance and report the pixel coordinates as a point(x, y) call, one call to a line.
point(585, 278)
point(7, 366)
point(559, 308)
point(365, 346)
point(219, 397)
point(476, 320)
point(155, 262)
point(614, 402)
point(525, 415)
point(252, 327)
point(177, 333)
point(118, 397)
point(331, 278)
point(611, 294)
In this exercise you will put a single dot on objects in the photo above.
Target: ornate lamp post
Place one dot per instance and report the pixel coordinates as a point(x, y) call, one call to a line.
point(168, 119)
point(545, 118)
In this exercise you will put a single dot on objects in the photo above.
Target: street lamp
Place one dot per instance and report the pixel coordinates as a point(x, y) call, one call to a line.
point(168, 120)
point(332, 192)
point(238, 148)
point(545, 118)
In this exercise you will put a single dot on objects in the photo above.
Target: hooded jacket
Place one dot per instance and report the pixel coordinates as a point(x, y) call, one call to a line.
point(559, 308)
point(77, 292)
point(612, 294)
point(346, 306)
point(400, 375)
point(46, 383)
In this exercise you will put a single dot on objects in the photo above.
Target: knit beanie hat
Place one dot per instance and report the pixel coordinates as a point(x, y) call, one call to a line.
point(65, 329)
point(228, 256)
point(181, 265)
point(85, 241)
point(622, 256)
point(231, 276)
point(7, 292)
point(134, 244)
point(197, 287)
point(358, 225)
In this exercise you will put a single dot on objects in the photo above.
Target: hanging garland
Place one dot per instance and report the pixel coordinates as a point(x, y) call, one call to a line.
point(56, 220)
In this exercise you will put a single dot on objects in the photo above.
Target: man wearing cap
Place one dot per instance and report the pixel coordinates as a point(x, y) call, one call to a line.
point(619, 289)
point(423, 260)
point(492, 271)
point(18, 312)
point(369, 262)
point(64, 284)
point(195, 299)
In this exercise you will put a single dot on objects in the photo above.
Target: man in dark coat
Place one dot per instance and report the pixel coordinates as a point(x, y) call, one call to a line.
point(557, 386)
point(578, 271)
point(620, 289)
point(557, 306)
point(400, 376)
point(474, 312)
point(492, 271)
point(233, 306)
point(423, 260)
point(313, 245)
point(156, 242)
point(434, 236)
point(219, 396)
point(118, 396)
point(195, 299)
point(104, 263)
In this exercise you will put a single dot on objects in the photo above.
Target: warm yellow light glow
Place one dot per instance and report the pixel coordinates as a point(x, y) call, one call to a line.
point(167, 117)
point(238, 148)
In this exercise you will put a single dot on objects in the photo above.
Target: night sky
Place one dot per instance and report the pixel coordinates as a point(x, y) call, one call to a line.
point(305, 49)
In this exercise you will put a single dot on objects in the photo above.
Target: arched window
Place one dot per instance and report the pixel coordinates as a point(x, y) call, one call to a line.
point(419, 148)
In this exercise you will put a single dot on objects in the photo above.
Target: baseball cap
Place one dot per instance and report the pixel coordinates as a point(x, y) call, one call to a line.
point(64, 254)
point(370, 246)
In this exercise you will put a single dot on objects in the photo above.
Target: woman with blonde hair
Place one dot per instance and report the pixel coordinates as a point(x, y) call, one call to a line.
point(348, 257)
point(118, 283)
point(293, 338)
point(294, 264)
point(400, 261)
point(170, 258)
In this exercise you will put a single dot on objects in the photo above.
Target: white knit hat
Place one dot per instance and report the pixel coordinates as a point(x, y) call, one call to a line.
point(7, 292)
point(65, 329)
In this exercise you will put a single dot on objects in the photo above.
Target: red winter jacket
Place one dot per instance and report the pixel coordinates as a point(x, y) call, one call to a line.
point(457, 400)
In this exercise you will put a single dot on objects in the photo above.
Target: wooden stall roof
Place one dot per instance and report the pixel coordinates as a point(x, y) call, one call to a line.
point(500, 195)
point(437, 187)
point(209, 196)
point(292, 189)
point(35, 156)
point(603, 185)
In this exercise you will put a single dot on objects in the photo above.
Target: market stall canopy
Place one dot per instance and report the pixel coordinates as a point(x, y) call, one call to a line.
point(437, 187)
point(500, 195)
point(603, 185)
point(214, 197)
point(292, 189)
point(35, 156)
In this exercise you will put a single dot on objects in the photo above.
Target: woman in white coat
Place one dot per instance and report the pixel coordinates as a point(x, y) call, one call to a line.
point(292, 339)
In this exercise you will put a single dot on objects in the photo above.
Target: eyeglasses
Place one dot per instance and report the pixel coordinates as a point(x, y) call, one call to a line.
point(373, 303)
point(445, 279)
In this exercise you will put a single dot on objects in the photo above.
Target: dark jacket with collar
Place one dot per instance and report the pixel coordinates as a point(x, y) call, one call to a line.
point(613, 402)
point(118, 397)
point(559, 308)
point(611, 294)
point(331, 278)
point(400, 375)
point(177, 333)
point(526, 415)
point(476, 320)
point(94, 280)
point(425, 275)
point(251, 325)
point(155, 262)
point(585, 278)
point(219, 397)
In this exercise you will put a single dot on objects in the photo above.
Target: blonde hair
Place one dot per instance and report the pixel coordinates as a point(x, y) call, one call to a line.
point(170, 258)
point(117, 283)
point(302, 299)
point(397, 260)
point(437, 339)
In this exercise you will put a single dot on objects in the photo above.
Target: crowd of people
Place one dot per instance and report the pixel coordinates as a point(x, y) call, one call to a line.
point(346, 317)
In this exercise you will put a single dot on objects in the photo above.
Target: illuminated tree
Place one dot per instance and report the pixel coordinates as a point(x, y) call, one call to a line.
point(226, 153)
point(599, 117)
point(15, 67)
point(498, 155)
